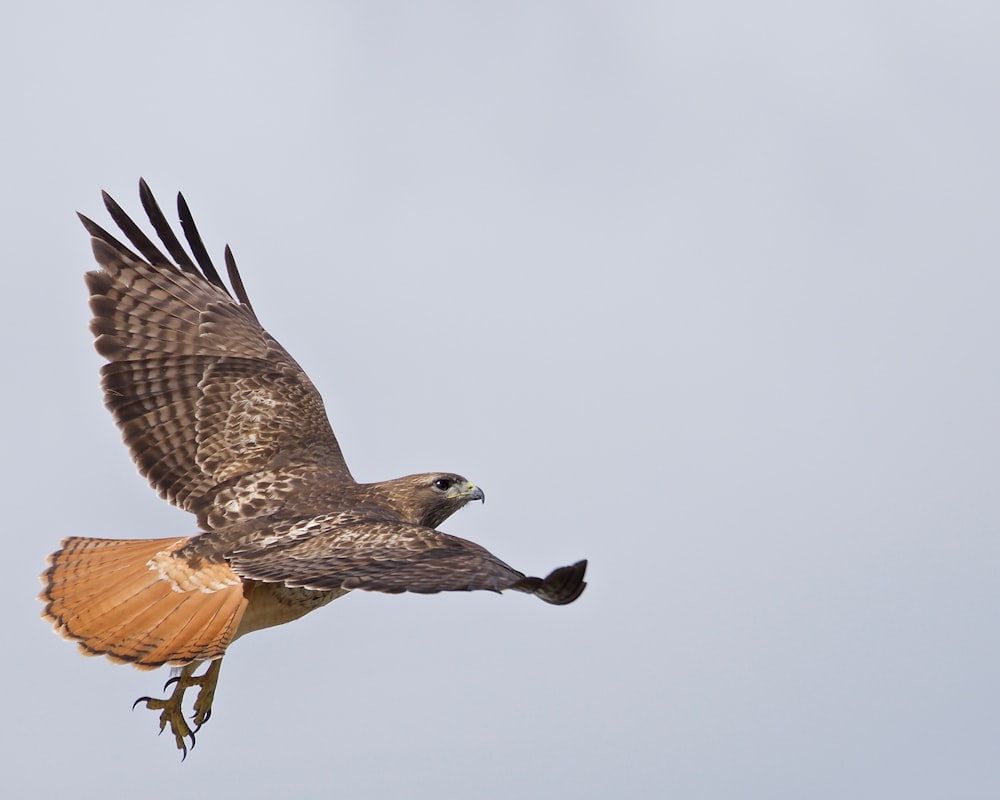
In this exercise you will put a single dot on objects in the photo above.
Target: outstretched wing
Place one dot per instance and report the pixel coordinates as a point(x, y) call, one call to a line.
point(217, 416)
point(344, 551)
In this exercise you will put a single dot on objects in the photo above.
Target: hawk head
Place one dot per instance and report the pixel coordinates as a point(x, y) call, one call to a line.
point(430, 498)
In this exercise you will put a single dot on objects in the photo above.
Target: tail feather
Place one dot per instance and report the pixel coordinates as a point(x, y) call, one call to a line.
point(136, 632)
point(132, 601)
point(99, 592)
point(202, 627)
point(88, 585)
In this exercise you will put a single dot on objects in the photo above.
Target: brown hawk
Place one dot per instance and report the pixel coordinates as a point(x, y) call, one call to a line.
point(224, 424)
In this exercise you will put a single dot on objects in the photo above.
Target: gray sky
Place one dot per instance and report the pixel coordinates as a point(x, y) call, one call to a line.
point(704, 292)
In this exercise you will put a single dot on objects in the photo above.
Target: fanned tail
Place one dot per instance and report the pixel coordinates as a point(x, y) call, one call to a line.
point(131, 600)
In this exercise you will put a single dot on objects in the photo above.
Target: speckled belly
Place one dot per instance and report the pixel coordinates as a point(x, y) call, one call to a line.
point(271, 604)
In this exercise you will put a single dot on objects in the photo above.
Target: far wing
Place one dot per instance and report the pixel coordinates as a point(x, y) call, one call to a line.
point(217, 415)
point(378, 555)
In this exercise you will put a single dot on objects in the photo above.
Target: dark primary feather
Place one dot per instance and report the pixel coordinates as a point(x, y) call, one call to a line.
point(135, 235)
point(163, 229)
point(197, 246)
point(562, 586)
point(236, 280)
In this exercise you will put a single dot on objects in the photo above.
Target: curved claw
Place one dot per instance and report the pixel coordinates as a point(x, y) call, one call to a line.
point(170, 707)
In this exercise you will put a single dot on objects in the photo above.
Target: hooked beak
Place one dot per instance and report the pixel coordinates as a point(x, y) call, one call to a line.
point(477, 494)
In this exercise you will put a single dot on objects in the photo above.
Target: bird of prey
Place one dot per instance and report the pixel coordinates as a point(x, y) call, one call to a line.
point(224, 424)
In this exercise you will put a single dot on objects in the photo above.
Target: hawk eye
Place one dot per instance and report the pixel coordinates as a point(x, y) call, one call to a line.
point(443, 484)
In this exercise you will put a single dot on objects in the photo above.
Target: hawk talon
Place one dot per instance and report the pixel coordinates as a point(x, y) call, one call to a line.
point(171, 714)
point(171, 708)
point(206, 718)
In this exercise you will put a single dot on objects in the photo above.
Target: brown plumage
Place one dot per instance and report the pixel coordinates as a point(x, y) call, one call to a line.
point(224, 424)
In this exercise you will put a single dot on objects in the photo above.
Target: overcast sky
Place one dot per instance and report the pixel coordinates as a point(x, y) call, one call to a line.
point(704, 292)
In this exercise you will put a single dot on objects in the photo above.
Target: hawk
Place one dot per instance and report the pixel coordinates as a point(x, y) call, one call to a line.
point(225, 424)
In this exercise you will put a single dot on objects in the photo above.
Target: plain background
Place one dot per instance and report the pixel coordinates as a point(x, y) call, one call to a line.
point(704, 292)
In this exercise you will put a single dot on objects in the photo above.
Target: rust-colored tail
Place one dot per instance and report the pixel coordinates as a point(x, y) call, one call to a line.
point(134, 601)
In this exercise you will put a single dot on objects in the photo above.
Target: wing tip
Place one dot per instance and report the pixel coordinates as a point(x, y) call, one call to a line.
point(204, 268)
point(560, 587)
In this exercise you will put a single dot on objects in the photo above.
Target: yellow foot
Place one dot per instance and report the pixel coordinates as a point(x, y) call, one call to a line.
point(172, 712)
